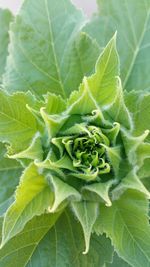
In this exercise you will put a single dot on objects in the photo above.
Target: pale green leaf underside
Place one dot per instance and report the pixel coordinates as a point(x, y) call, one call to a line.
point(133, 37)
point(5, 19)
point(48, 52)
point(33, 196)
point(126, 223)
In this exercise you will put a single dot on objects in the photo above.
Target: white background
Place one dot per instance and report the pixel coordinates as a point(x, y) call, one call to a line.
point(89, 6)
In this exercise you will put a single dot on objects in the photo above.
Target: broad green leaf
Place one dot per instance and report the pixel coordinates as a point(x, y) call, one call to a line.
point(86, 213)
point(33, 197)
point(18, 251)
point(17, 124)
point(126, 223)
point(62, 192)
point(133, 37)
point(5, 19)
point(10, 171)
point(63, 246)
point(48, 52)
point(37, 246)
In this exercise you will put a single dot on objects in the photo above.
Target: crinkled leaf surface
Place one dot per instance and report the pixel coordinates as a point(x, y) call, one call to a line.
point(33, 197)
point(127, 224)
point(5, 19)
point(48, 52)
point(133, 37)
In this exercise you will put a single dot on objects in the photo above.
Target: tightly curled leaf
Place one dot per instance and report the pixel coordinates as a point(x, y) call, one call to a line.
point(81, 151)
point(84, 150)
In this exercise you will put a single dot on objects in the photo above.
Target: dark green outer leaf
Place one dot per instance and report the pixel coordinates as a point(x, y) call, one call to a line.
point(64, 244)
point(18, 250)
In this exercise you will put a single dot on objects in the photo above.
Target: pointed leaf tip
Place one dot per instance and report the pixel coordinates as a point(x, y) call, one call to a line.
point(86, 213)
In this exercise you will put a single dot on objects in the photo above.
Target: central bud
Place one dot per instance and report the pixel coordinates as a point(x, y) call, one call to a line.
point(88, 150)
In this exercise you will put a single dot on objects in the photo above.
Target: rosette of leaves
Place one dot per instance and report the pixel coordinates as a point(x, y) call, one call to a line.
point(82, 156)
point(82, 153)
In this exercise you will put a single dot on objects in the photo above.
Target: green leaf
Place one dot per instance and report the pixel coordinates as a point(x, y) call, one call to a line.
point(117, 262)
point(118, 111)
point(99, 90)
point(101, 189)
point(33, 197)
point(10, 171)
point(34, 151)
point(126, 223)
point(55, 104)
point(48, 52)
point(86, 213)
point(19, 249)
point(131, 181)
point(17, 124)
point(53, 122)
point(37, 246)
point(139, 105)
point(52, 252)
point(133, 37)
point(62, 192)
point(103, 84)
point(5, 19)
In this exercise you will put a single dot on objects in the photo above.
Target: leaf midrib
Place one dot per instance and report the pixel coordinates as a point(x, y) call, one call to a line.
point(137, 50)
point(53, 49)
point(19, 122)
